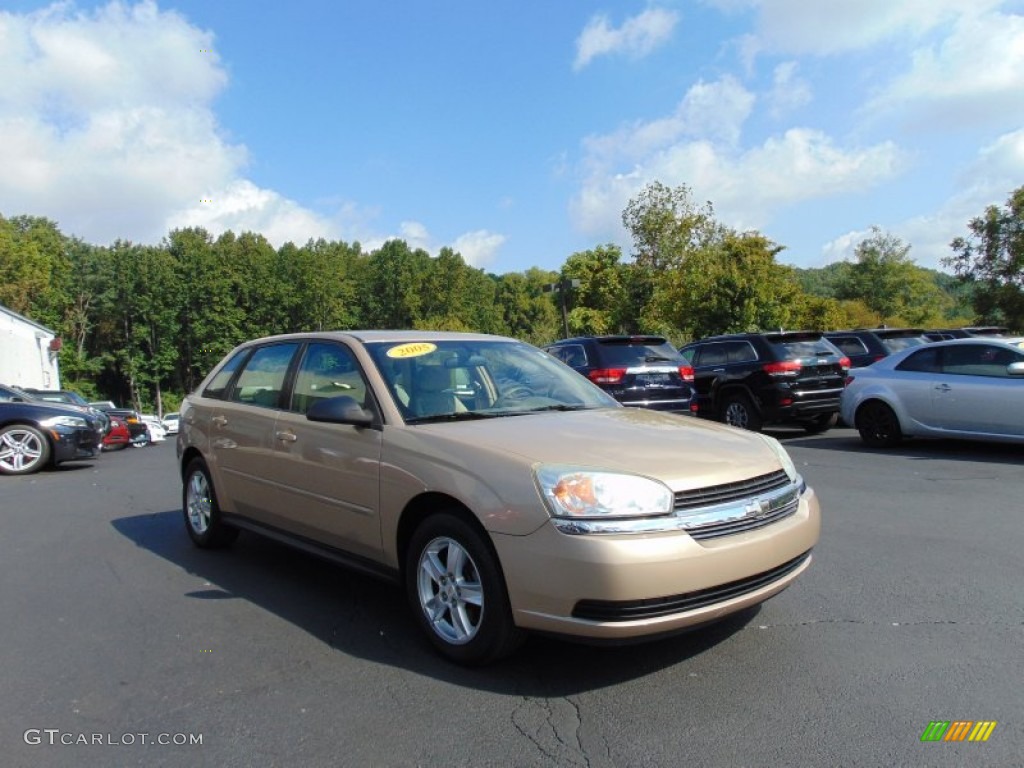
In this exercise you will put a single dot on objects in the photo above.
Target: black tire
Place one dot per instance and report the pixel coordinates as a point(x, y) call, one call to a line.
point(878, 425)
point(457, 592)
point(820, 424)
point(739, 411)
point(23, 450)
point(202, 513)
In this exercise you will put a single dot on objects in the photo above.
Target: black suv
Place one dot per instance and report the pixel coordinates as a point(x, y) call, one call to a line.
point(752, 379)
point(640, 371)
point(865, 346)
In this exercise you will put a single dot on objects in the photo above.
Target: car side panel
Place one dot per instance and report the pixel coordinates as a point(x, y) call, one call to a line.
point(980, 404)
point(329, 476)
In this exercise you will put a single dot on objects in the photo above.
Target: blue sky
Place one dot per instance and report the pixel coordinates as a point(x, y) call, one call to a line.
point(515, 133)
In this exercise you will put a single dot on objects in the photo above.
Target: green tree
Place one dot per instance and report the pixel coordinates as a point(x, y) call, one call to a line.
point(597, 303)
point(890, 284)
point(730, 286)
point(394, 285)
point(991, 260)
point(524, 310)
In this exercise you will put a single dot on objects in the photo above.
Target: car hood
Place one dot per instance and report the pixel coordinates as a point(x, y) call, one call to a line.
point(682, 451)
point(42, 409)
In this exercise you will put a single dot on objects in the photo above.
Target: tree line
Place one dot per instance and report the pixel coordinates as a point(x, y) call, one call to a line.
point(143, 324)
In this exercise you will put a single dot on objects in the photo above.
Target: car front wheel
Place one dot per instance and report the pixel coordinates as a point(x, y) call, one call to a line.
point(878, 425)
point(738, 411)
point(202, 514)
point(457, 592)
point(23, 449)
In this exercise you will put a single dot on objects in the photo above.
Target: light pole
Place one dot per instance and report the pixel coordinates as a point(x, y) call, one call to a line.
point(563, 286)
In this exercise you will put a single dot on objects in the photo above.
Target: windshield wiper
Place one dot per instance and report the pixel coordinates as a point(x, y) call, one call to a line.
point(658, 359)
point(560, 407)
point(456, 416)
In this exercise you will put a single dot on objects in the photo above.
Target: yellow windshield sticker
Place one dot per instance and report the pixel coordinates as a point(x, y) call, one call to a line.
point(412, 350)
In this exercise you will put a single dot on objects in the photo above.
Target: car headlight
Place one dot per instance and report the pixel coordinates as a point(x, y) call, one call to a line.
point(581, 493)
point(783, 456)
point(64, 421)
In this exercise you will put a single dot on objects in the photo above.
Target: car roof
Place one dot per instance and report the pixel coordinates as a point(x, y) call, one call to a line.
point(639, 338)
point(382, 336)
point(769, 335)
point(881, 332)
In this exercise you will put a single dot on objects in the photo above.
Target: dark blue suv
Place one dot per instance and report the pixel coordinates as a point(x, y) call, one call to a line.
point(639, 371)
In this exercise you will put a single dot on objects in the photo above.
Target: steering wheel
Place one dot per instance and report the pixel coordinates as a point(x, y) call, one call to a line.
point(515, 391)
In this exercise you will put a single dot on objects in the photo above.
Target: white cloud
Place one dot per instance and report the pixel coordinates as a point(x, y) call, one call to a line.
point(989, 180)
point(637, 36)
point(708, 110)
point(242, 207)
point(479, 248)
point(974, 74)
point(747, 186)
point(789, 91)
point(825, 28)
point(107, 126)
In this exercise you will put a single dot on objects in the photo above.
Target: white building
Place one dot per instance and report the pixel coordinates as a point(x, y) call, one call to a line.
point(28, 352)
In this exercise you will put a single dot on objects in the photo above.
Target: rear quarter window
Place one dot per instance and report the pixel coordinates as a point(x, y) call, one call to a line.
point(798, 350)
point(849, 345)
point(220, 381)
point(616, 353)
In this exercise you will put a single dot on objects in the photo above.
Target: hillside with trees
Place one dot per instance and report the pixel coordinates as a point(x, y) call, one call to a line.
point(143, 324)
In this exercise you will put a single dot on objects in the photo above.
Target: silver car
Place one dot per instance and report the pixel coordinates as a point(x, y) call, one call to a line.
point(504, 491)
point(966, 388)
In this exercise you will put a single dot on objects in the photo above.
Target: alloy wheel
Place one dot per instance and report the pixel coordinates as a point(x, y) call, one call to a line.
point(450, 590)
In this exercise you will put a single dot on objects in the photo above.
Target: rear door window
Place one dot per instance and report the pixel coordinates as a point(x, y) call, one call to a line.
point(262, 379)
point(221, 380)
point(925, 361)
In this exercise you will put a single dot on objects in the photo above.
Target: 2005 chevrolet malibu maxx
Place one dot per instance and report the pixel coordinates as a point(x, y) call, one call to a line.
point(503, 490)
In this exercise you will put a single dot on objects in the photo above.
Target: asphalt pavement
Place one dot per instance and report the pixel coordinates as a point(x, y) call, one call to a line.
point(124, 645)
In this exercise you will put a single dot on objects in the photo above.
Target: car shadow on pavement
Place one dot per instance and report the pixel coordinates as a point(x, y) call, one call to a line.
point(367, 618)
point(848, 441)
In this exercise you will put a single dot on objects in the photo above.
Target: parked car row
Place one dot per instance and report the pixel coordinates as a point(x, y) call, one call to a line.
point(47, 427)
point(752, 380)
point(35, 433)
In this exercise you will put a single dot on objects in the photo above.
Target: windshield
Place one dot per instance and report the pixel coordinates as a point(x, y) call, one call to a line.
point(456, 379)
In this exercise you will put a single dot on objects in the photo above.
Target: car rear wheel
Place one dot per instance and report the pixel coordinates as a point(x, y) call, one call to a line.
point(820, 424)
point(457, 592)
point(738, 411)
point(202, 514)
point(23, 449)
point(878, 425)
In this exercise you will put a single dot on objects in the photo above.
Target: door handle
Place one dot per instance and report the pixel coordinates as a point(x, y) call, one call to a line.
point(943, 387)
point(219, 421)
point(718, 370)
point(286, 437)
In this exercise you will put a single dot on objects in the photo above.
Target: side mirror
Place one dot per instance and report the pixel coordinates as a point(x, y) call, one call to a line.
point(340, 410)
point(1015, 369)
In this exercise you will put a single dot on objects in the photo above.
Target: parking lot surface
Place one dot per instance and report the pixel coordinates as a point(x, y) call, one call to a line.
point(125, 645)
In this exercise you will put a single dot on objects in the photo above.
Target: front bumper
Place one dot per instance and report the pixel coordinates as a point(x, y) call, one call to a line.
point(70, 444)
point(621, 587)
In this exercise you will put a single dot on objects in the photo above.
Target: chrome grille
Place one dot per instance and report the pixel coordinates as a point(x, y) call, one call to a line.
point(723, 510)
point(729, 492)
